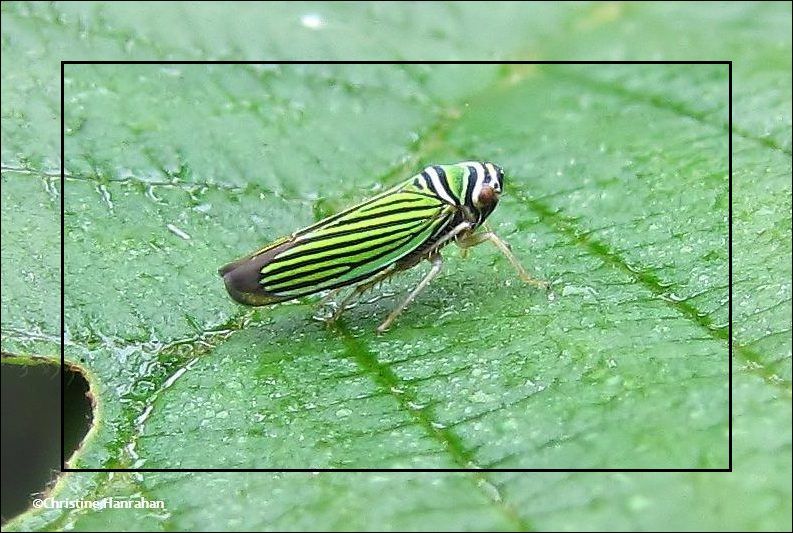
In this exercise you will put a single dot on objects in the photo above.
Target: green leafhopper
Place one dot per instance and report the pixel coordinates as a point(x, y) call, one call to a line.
point(369, 242)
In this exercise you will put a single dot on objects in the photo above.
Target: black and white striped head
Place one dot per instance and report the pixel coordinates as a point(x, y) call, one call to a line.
point(483, 184)
point(472, 186)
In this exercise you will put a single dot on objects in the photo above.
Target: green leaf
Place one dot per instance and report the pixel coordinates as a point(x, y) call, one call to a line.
point(616, 191)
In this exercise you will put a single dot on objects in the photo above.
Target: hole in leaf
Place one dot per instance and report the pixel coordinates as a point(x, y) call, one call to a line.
point(78, 405)
point(31, 428)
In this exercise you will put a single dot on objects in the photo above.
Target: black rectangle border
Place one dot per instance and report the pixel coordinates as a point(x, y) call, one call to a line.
point(177, 62)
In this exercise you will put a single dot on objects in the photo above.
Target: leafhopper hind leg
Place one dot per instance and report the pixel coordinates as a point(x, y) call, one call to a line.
point(328, 297)
point(472, 239)
point(437, 264)
point(354, 294)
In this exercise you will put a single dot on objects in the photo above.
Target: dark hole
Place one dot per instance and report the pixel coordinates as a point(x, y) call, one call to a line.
point(31, 429)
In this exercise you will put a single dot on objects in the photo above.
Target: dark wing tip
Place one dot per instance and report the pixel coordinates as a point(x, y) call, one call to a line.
point(242, 279)
point(225, 269)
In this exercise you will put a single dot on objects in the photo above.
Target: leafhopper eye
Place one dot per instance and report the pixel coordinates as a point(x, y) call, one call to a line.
point(487, 196)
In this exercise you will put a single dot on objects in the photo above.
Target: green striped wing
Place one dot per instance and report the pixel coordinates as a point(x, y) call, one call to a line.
point(344, 249)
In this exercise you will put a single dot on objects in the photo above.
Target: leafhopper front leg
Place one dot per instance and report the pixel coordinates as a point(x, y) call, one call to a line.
point(437, 264)
point(472, 239)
